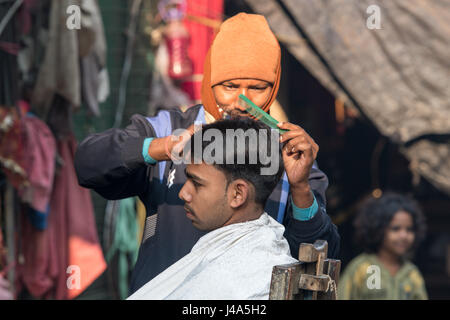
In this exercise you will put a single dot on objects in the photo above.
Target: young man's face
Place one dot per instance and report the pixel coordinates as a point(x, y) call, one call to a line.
point(227, 94)
point(399, 235)
point(205, 197)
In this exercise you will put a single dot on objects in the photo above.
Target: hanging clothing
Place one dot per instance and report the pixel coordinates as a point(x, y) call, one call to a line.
point(95, 83)
point(201, 38)
point(40, 146)
point(75, 235)
point(69, 248)
point(165, 94)
point(406, 284)
point(125, 243)
point(59, 72)
point(95, 79)
point(232, 262)
point(36, 269)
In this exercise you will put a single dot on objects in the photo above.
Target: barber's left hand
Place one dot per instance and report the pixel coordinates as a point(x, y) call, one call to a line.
point(299, 152)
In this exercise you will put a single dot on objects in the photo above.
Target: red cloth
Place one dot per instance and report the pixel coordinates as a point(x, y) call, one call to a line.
point(36, 272)
point(40, 150)
point(72, 216)
point(70, 239)
point(40, 146)
point(201, 39)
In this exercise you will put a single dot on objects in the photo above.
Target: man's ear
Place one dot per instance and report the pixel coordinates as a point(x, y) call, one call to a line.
point(240, 193)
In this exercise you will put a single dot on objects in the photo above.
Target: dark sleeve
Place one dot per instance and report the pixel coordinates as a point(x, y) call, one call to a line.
point(111, 162)
point(320, 227)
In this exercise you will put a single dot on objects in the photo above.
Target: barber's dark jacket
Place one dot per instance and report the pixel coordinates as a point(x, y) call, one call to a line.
point(112, 164)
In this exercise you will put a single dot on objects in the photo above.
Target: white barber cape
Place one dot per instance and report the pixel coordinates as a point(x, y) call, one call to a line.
point(232, 262)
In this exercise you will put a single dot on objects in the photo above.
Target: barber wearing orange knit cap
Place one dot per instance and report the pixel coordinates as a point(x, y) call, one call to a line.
point(243, 59)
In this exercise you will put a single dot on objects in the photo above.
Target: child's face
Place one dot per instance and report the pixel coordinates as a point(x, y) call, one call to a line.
point(399, 235)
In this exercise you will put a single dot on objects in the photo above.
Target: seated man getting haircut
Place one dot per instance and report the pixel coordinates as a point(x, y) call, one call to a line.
point(225, 194)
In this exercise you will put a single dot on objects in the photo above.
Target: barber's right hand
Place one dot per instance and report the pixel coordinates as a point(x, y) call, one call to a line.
point(162, 149)
point(174, 144)
point(177, 141)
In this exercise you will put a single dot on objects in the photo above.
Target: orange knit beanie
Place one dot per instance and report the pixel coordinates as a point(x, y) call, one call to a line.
point(244, 48)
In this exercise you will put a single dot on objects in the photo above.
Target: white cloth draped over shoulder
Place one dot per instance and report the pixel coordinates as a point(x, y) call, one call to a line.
point(232, 262)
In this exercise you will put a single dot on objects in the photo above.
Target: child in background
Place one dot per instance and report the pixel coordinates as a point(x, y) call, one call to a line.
point(388, 228)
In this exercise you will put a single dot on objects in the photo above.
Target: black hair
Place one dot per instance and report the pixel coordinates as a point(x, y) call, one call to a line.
point(377, 213)
point(264, 184)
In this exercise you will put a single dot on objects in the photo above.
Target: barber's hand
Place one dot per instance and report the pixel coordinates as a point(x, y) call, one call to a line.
point(162, 149)
point(176, 143)
point(299, 152)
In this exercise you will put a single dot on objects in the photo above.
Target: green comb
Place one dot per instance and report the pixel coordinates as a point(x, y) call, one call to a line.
point(259, 113)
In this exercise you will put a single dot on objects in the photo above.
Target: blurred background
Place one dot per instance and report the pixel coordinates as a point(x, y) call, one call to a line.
point(368, 80)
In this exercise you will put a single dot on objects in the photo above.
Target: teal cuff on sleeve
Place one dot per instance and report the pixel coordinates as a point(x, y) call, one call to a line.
point(306, 213)
point(145, 154)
